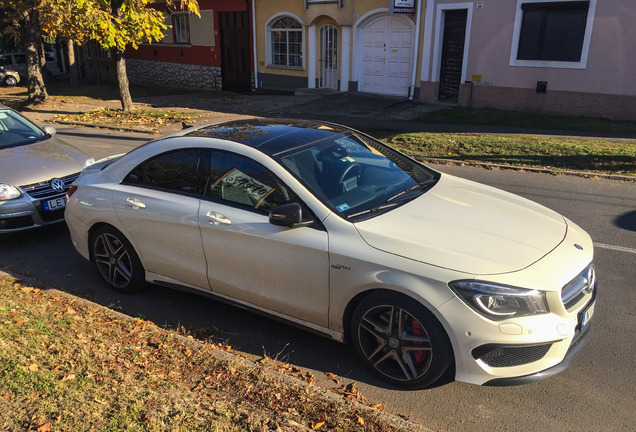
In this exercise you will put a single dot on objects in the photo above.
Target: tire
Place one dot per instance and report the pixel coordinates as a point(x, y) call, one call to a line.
point(400, 340)
point(10, 81)
point(116, 260)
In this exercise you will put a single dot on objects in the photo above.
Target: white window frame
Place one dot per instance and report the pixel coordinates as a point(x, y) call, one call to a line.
point(582, 64)
point(268, 40)
point(181, 27)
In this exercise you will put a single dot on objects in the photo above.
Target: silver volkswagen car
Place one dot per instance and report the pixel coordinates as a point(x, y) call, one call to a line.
point(325, 227)
point(36, 170)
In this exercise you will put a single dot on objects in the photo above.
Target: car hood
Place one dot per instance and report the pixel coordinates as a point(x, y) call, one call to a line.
point(40, 161)
point(467, 227)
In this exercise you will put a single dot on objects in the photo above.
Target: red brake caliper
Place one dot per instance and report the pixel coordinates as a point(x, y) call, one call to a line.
point(418, 331)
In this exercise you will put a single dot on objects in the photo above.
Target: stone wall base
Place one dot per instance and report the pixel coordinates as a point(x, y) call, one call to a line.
point(175, 75)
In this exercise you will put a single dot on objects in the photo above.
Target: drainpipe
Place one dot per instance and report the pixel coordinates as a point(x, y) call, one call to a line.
point(254, 44)
point(417, 47)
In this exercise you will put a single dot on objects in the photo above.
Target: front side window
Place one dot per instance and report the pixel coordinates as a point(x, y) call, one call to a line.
point(552, 33)
point(241, 181)
point(180, 24)
point(356, 176)
point(177, 171)
point(285, 42)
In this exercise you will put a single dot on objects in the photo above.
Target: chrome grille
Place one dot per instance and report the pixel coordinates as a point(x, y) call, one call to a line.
point(44, 191)
point(580, 287)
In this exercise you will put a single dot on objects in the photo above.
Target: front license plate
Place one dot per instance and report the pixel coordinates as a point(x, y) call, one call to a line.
point(54, 204)
point(587, 315)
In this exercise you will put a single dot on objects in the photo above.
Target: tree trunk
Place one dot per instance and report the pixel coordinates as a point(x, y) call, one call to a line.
point(72, 65)
point(122, 79)
point(32, 38)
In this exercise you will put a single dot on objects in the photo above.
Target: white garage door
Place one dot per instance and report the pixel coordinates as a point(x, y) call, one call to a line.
point(387, 57)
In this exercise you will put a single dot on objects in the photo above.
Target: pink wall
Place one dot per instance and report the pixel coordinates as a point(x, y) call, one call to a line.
point(611, 66)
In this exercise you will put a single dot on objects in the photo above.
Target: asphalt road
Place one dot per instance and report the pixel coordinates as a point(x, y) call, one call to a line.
point(597, 392)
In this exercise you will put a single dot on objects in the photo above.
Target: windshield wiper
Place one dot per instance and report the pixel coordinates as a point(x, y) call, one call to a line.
point(372, 210)
point(418, 186)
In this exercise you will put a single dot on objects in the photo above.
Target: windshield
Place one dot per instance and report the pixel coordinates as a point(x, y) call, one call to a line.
point(16, 130)
point(357, 176)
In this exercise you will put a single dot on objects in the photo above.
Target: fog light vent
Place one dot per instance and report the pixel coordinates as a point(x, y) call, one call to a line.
point(507, 356)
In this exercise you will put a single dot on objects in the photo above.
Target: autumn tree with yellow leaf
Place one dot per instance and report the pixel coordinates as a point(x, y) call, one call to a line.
point(114, 24)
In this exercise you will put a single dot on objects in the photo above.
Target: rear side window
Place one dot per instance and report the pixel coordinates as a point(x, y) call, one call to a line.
point(176, 171)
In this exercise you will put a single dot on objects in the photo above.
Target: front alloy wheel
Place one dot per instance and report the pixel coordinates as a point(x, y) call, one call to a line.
point(401, 340)
point(117, 261)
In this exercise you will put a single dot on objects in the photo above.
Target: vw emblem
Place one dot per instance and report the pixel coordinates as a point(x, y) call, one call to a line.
point(57, 185)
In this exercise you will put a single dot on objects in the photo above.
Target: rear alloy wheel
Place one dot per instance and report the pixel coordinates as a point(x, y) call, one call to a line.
point(117, 261)
point(400, 340)
point(10, 81)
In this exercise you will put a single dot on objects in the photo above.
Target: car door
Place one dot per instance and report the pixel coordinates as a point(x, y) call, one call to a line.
point(158, 205)
point(283, 270)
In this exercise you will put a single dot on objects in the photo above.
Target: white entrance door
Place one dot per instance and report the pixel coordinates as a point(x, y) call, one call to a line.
point(328, 63)
point(387, 57)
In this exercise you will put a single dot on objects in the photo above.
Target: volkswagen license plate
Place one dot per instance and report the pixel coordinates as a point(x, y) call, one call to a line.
point(54, 204)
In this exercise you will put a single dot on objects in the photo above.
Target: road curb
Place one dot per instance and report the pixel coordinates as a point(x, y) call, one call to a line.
point(231, 358)
point(442, 161)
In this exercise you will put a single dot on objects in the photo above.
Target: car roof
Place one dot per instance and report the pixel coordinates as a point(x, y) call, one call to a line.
point(271, 136)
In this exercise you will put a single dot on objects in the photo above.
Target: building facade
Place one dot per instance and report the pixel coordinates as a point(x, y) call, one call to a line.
point(566, 57)
point(347, 45)
point(213, 52)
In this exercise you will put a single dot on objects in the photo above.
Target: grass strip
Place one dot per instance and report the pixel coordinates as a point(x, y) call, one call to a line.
point(495, 117)
point(594, 155)
point(69, 365)
point(151, 118)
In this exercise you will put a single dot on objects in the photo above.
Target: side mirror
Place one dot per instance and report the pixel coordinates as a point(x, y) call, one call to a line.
point(288, 215)
point(49, 130)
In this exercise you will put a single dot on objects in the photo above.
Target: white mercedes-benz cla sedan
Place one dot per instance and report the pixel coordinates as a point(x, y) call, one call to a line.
point(325, 227)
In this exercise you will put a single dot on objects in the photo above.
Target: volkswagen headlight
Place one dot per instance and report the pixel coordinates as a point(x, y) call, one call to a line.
point(497, 302)
point(8, 192)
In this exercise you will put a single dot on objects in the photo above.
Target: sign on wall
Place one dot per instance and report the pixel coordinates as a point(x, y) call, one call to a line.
point(402, 7)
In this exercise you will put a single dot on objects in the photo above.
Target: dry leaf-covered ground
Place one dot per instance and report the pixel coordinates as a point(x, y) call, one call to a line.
point(69, 365)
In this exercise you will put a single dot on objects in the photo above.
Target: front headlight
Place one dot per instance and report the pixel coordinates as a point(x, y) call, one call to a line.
point(499, 302)
point(8, 192)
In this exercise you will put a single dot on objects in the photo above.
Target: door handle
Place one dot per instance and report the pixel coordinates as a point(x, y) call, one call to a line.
point(135, 203)
point(218, 218)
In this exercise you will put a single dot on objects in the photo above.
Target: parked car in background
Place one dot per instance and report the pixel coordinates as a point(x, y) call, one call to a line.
point(17, 62)
point(327, 228)
point(9, 78)
point(36, 170)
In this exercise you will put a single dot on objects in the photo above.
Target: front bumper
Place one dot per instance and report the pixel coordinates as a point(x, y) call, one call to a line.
point(517, 351)
point(575, 347)
point(24, 213)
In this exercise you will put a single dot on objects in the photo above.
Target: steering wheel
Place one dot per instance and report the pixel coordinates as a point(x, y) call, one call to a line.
point(352, 168)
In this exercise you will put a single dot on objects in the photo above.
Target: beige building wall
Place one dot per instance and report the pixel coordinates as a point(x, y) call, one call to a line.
point(344, 18)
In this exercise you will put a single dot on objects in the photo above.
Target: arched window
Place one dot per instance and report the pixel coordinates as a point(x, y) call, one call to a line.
point(285, 47)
